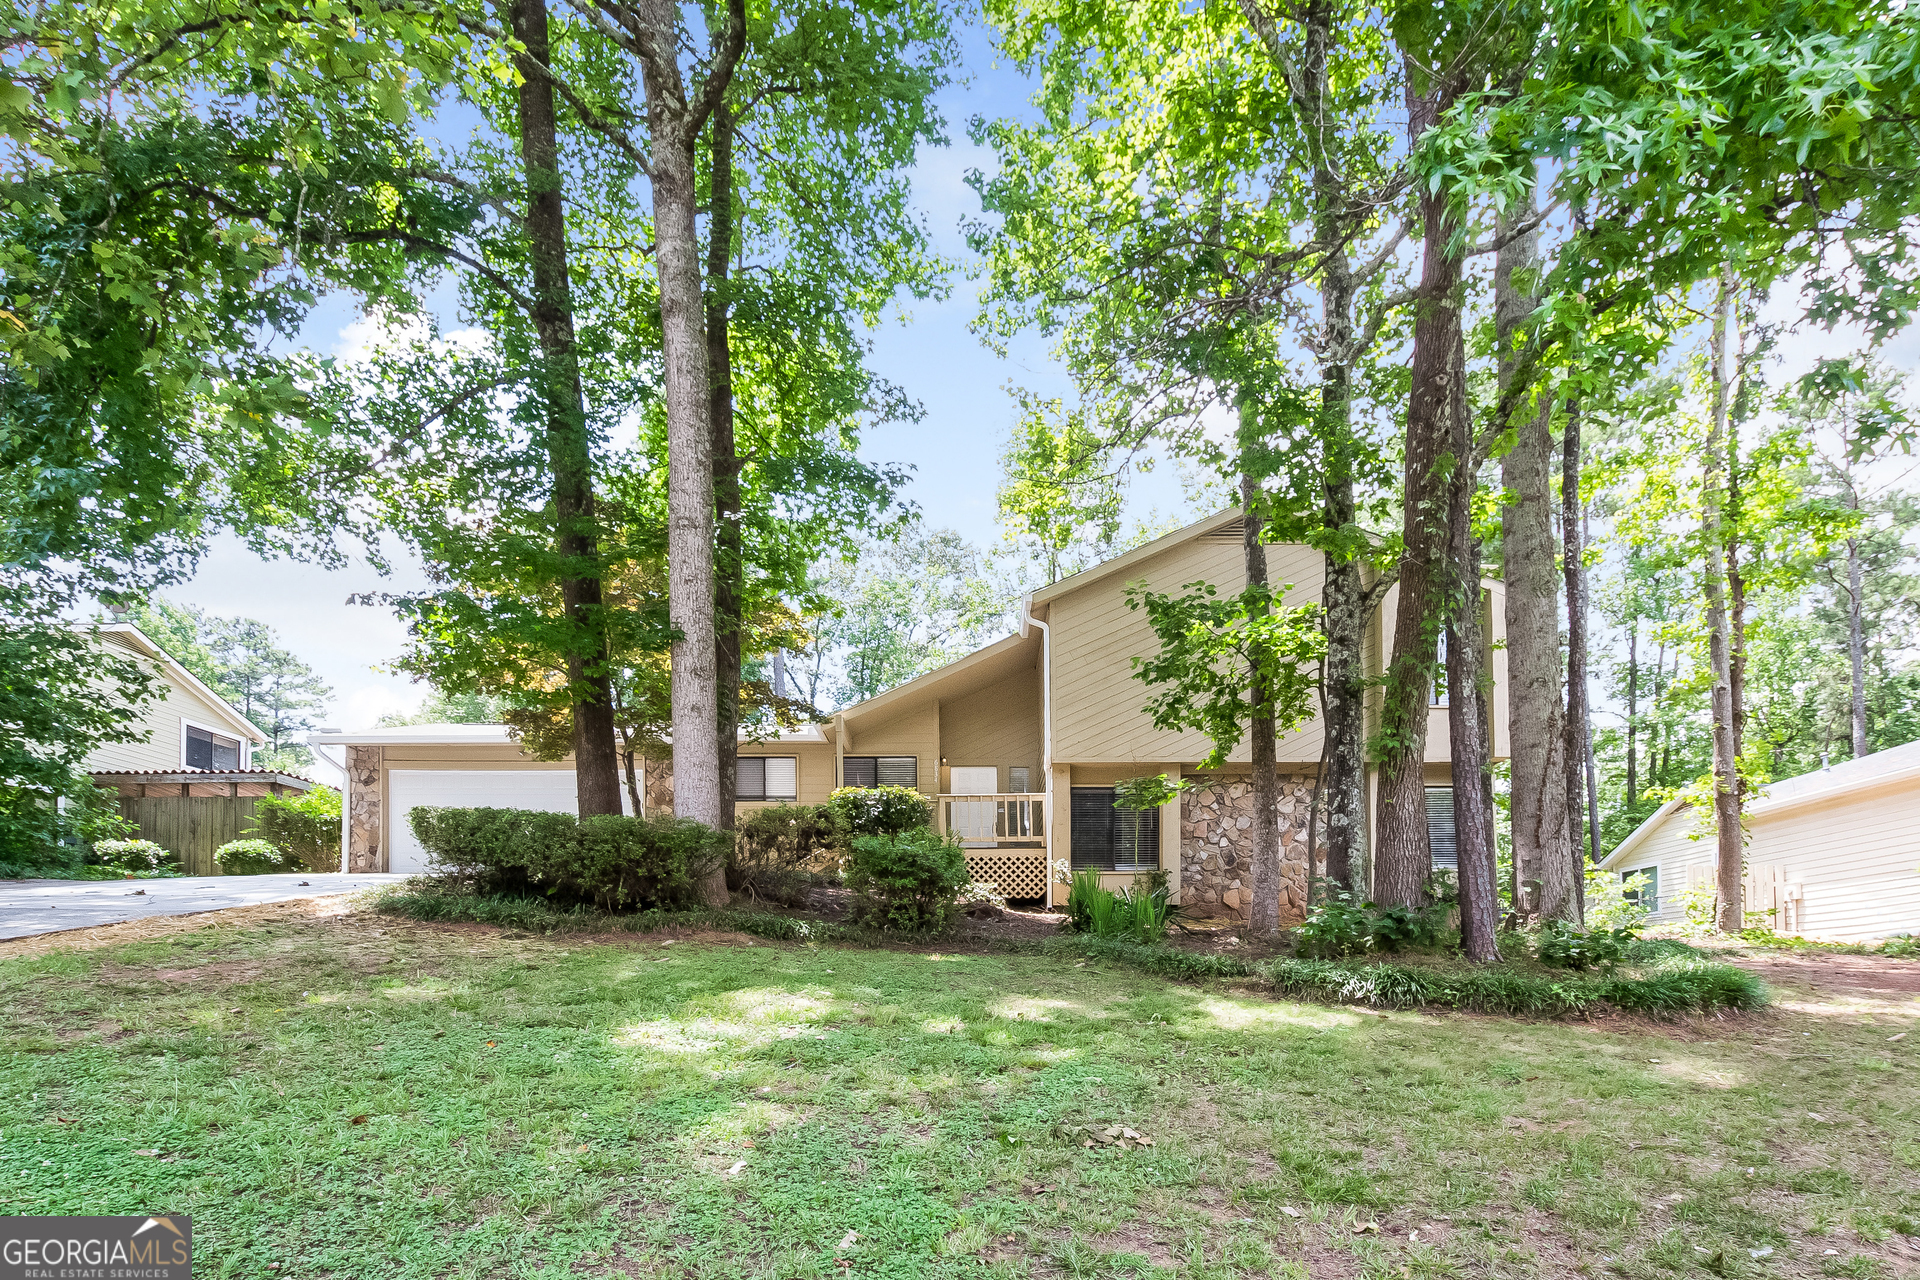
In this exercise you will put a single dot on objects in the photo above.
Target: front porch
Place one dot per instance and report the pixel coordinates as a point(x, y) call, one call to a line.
point(1005, 834)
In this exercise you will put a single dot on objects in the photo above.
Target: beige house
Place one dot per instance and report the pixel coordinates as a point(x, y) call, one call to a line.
point(1833, 854)
point(1019, 744)
point(189, 783)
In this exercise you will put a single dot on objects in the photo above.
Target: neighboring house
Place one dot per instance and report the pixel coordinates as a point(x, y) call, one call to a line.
point(1832, 854)
point(1020, 744)
point(189, 783)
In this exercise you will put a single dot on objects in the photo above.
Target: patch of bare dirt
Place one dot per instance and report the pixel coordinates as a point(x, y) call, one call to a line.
point(1141, 1240)
point(1840, 975)
point(114, 935)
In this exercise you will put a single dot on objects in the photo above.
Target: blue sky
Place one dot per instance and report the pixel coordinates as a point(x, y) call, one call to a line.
point(929, 350)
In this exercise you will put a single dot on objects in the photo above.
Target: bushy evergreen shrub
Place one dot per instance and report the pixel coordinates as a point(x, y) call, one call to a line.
point(782, 851)
point(305, 826)
point(254, 858)
point(611, 861)
point(907, 883)
point(881, 811)
point(131, 855)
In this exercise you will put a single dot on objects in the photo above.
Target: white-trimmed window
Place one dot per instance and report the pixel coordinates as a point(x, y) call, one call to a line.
point(766, 778)
point(1642, 885)
point(205, 749)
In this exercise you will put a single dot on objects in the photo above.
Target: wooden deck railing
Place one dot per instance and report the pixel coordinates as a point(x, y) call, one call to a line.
point(989, 819)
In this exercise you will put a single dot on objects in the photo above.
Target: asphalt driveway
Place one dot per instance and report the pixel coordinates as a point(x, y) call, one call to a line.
point(28, 907)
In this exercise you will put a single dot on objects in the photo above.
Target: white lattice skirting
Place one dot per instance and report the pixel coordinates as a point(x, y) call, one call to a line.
point(1017, 873)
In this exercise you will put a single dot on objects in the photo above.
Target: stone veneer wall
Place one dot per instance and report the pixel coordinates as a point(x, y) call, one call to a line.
point(1216, 873)
point(363, 810)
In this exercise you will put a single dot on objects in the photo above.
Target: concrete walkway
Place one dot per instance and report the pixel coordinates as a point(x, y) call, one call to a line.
point(28, 907)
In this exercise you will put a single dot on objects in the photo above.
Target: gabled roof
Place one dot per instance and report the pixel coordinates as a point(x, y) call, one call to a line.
point(978, 669)
point(133, 638)
point(1895, 764)
point(484, 735)
point(1226, 526)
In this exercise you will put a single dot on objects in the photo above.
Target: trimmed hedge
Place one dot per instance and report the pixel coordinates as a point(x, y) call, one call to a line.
point(781, 851)
point(610, 861)
point(1681, 985)
point(433, 902)
point(908, 883)
point(881, 811)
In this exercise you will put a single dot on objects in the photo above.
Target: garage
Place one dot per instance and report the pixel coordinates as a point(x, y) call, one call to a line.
point(551, 790)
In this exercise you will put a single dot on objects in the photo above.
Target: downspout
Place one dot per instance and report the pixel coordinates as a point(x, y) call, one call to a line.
point(1046, 724)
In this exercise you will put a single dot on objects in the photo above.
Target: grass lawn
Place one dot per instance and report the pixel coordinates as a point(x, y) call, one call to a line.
point(358, 1096)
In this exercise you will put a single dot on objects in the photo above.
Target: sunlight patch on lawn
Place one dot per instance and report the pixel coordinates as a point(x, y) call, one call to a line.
point(774, 1004)
point(942, 1026)
point(746, 1120)
point(1035, 1008)
point(432, 989)
point(1695, 1071)
point(1236, 1015)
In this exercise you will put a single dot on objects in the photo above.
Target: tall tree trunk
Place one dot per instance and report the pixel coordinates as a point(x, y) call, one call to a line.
point(1633, 709)
point(1345, 599)
point(730, 569)
point(1736, 606)
point(1404, 859)
point(1730, 859)
point(675, 126)
point(1263, 916)
point(1466, 693)
point(1536, 717)
point(1583, 831)
point(1857, 647)
point(596, 764)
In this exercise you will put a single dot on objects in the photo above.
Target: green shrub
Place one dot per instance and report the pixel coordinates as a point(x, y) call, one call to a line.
point(781, 852)
point(881, 811)
point(1141, 913)
point(1673, 987)
point(907, 882)
point(611, 861)
point(254, 858)
point(304, 826)
point(1342, 925)
point(131, 855)
point(1559, 945)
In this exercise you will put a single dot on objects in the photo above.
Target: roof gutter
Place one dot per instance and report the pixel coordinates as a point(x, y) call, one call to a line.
point(1046, 722)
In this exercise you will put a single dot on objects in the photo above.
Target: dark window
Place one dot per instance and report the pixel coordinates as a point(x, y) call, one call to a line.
point(1440, 830)
point(765, 778)
point(1113, 839)
point(1642, 885)
point(880, 771)
point(211, 751)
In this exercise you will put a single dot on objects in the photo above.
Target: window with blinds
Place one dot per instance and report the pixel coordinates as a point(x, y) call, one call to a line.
point(766, 778)
point(211, 750)
point(1110, 839)
point(880, 771)
point(1440, 829)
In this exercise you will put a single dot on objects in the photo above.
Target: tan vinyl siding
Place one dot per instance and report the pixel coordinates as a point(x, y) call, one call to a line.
point(161, 719)
point(915, 732)
point(1856, 856)
point(998, 726)
point(442, 755)
point(813, 770)
point(1098, 705)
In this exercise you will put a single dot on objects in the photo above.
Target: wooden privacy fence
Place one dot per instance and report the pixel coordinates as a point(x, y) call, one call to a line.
point(191, 827)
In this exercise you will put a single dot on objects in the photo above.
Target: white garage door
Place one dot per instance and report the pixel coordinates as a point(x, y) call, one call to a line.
point(548, 789)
